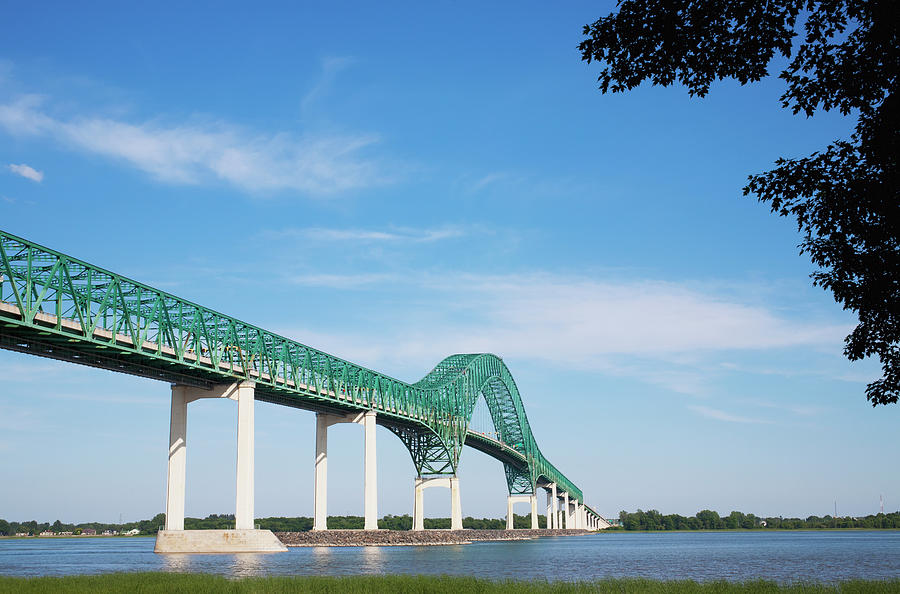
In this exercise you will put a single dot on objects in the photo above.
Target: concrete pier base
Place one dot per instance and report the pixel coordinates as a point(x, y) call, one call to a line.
point(218, 541)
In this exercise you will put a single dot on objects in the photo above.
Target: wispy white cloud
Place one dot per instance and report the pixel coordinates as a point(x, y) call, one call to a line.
point(721, 415)
point(585, 318)
point(338, 281)
point(331, 67)
point(665, 334)
point(27, 172)
point(196, 152)
point(800, 410)
point(487, 180)
point(394, 234)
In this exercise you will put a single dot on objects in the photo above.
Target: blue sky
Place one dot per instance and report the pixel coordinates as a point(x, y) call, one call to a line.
point(395, 183)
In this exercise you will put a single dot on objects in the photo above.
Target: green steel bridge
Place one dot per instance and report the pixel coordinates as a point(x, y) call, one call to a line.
point(57, 306)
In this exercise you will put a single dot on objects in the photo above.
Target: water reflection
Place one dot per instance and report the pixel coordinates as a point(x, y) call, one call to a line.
point(372, 560)
point(248, 565)
point(176, 562)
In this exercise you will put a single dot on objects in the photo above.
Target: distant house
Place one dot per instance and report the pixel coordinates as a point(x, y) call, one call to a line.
point(47, 533)
point(89, 532)
point(22, 534)
point(132, 532)
point(110, 532)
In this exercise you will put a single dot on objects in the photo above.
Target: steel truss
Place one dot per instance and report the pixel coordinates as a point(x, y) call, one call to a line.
point(57, 306)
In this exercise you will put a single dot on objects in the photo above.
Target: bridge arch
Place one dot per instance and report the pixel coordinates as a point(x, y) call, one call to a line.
point(455, 385)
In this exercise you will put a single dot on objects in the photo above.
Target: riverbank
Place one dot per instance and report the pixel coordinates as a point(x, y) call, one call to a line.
point(151, 583)
point(399, 538)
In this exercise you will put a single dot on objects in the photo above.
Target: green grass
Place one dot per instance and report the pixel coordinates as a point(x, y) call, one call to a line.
point(147, 583)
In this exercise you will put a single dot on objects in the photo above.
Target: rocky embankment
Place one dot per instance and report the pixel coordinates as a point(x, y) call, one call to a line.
point(362, 538)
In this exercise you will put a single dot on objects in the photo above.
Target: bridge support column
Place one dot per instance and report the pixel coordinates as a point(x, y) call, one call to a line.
point(243, 514)
point(370, 480)
point(565, 511)
point(175, 486)
point(570, 514)
point(450, 482)
point(371, 477)
point(320, 503)
point(534, 514)
point(455, 505)
point(551, 507)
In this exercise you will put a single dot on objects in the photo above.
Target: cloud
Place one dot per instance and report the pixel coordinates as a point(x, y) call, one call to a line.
point(396, 235)
point(488, 180)
point(193, 153)
point(720, 415)
point(584, 318)
point(338, 281)
point(27, 172)
point(331, 67)
point(666, 334)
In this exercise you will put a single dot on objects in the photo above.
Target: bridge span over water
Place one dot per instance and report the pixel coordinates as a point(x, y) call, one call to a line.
point(53, 305)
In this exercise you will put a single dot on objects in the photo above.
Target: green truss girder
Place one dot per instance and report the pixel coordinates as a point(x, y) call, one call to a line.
point(56, 306)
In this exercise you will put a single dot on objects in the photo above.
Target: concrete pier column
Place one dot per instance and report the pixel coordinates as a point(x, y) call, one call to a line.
point(552, 519)
point(549, 514)
point(177, 460)
point(320, 515)
point(565, 512)
point(455, 505)
point(243, 514)
point(509, 513)
point(534, 514)
point(419, 505)
point(371, 477)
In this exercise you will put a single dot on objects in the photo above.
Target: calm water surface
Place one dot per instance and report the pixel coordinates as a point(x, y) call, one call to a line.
point(702, 556)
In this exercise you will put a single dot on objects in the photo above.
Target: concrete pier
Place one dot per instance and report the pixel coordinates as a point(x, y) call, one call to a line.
point(370, 479)
point(422, 483)
point(244, 538)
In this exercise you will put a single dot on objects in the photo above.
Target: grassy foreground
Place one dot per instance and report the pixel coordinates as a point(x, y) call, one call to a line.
point(145, 583)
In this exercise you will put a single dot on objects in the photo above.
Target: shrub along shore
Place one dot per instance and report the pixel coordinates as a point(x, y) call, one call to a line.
point(149, 583)
point(629, 521)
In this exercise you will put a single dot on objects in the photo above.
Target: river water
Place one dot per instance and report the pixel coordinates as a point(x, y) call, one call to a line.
point(701, 556)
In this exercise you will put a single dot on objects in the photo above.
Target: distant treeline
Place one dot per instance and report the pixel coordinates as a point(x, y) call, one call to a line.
point(639, 520)
point(710, 520)
point(32, 527)
point(226, 521)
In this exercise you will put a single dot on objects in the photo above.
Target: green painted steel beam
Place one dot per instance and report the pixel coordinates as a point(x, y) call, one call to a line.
point(57, 306)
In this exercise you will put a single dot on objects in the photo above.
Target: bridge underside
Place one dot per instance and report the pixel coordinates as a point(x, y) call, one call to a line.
point(55, 306)
point(428, 453)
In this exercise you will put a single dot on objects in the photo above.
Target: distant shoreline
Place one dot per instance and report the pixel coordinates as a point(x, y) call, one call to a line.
point(598, 533)
point(77, 536)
